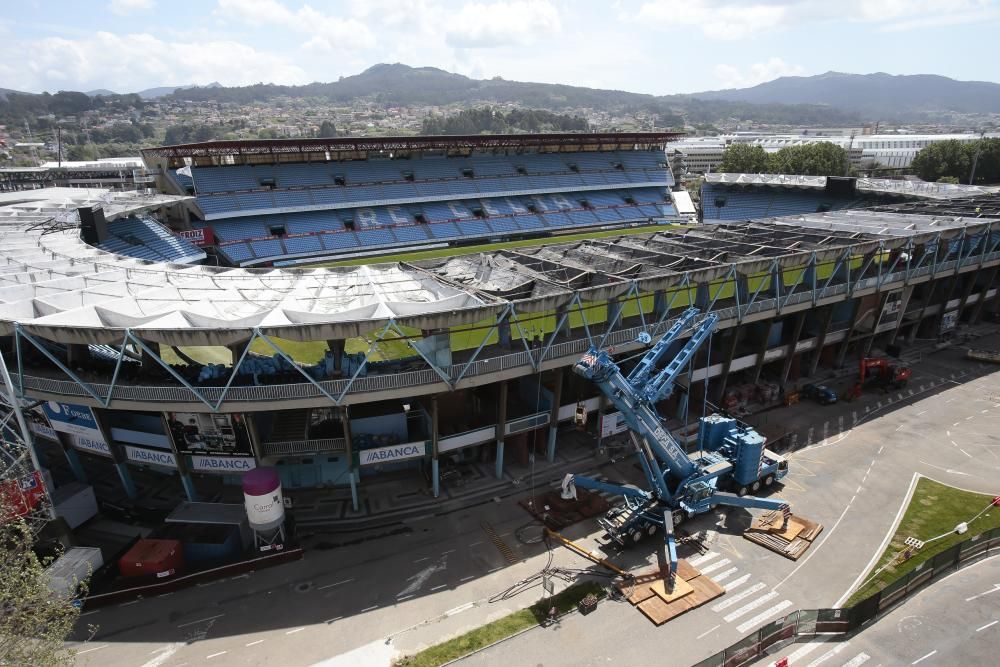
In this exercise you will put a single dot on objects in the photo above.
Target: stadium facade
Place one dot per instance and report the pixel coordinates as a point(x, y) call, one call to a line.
point(334, 375)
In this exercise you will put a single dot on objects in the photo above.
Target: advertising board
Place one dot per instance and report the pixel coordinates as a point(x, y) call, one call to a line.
point(210, 434)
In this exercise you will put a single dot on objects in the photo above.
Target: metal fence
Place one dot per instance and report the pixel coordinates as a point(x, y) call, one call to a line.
point(804, 625)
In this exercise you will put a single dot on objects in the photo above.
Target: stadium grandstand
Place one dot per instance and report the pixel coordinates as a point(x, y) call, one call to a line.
point(750, 196)
point(288, 201)
point(115, 172)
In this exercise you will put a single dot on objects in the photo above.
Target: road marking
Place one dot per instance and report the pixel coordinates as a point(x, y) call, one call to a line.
point(829, 654)
point(996, 587)
point(331, 620)
point(460, 608)
point(499, 567)
point(437, 588)
point(858, 491)
point(983, 412)
point(803, 651)
point(371, 608)
point(259, 641)
point(880, 449)
point(292, 632)
point(719, 577)
point(853, 497)
point(449, 551)
point(702, 559)
point(988, 625)
point(215, 655)
point(421, 560)
point(921, 412)
point(400, 598)
point(96, 648)
point(965, 452)
point(476, 544)
point(956, 423)
point(954, 472)
point(201, 620)
point(471, 576)
point(345, 581)
point(730, 601)
point(759, 618)
point(125, 604)
point(88, 613)
point(708, 632)
point(858, 660)
point(815, 548)
point(748, 607)
point(717, 565)
point(899, 427)
point(737, 582)
point(924, 658)
point(948, 433)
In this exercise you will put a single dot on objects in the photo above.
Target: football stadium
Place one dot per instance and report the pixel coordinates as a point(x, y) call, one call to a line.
point(189, 333)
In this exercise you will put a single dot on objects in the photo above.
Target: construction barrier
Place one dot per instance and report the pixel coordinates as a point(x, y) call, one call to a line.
point(803, 625)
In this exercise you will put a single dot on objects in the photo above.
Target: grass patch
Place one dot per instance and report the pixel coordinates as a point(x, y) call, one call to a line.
point(487, 247)
point(935, 509)
point(501, 628)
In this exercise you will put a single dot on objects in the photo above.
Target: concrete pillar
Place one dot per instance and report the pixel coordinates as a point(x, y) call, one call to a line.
point(147, 359)
point(550, 452)
point(866, 347)
point(125, 475)
point(435, 475)
point(345, 423)
point(727, 361)
point(73, 459)
point(77, 355)
point(761, 351)
point(826, 320)
point(800, 319)
point(186, 480)
point(842, 353)
point(337, 350)
point(970, 283)
point(978, 311)
point(501, 427)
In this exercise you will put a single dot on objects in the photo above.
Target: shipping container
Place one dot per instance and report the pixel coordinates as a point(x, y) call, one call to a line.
point(160, 558)
point(75, 566)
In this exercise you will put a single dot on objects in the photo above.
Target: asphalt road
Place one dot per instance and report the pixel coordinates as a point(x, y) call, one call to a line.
point(402, 592)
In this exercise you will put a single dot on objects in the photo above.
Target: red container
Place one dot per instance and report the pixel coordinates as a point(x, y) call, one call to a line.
point(159, 558)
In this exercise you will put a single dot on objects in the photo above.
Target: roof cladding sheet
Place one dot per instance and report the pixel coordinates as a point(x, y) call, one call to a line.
point(54, 285)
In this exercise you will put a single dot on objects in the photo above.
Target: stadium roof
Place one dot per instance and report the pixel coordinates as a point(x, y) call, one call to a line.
point(275, 147)
point(54, 285)
point(908, 188)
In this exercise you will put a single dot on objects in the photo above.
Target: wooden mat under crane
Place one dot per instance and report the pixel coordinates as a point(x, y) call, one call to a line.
point(647, 591)
point(791, 542)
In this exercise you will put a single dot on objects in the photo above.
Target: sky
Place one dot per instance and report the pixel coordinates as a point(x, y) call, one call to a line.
point(646, 46)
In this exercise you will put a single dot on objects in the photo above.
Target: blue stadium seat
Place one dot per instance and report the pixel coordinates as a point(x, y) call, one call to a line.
point(292, 198)
point(375, 237)
point(144, 238)
point(443, 230)
point(237, 252)
point(338, 240)
point(302, 244)
point(410, 233)
point(267, 249)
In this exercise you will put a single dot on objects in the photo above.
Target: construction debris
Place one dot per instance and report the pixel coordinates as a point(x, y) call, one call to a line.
point(557, 513)
point(790, 541)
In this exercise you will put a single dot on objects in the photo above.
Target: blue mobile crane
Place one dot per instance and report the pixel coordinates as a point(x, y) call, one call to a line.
point(731, 461)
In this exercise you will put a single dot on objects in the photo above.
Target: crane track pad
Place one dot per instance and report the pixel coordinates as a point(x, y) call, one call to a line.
point(791, 542)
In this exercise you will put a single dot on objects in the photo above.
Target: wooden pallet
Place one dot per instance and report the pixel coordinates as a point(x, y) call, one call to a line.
point(791, 542)
point(647, 591)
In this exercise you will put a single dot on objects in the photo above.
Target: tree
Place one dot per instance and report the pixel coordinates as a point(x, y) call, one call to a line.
point(327, 129)
point(944, 158)
point(744, 159)
point(820, 158)
point(34, 622)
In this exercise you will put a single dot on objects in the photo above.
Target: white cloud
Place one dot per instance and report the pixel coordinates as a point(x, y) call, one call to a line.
point(730, 76)
point(518, 22)
point(327, 32)
point(732, 20)
point(127, 63)
point(123, 7)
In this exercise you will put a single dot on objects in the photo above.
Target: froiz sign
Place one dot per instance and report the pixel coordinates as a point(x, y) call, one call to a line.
point(410, 450)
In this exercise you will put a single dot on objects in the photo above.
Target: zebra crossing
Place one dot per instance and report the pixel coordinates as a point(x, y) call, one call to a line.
point(826, 659)
point(747, 605)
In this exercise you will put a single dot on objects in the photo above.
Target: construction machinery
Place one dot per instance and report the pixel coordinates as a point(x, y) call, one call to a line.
point(983, 355)
point(731, 460)
point(880, 372)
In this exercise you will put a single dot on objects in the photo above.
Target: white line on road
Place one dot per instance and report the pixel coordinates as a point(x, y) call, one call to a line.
point(730, 601)
point(764, 615)
point(471, 576)
point(858, 491)
point(711, 630)
point(215, 655)
point(722, 575)
point(921, 412)
point(371, 608)
point(996, 587)
point(858, 660)
point(200, 620)
point(460, 608)
point(988, 625)
point(717, 565)
point(345, 581)
point(702, 559)
point(400, 598)
point(259, 641)
point(953, 472)
point(965, 452)
point(748, 607)
point(829, 654)
point(331, 620)
point(814, 549)
point(499, 567)
point(88, 613)
point(924, 658)
point(449, 551)
point(437, 588)
point(421, 560)
point(880, 449)
point(853, 497)
point(96, 648)
point(737, 582)
point(125, 604)
point(476, 544)
point(803, 651)
point(292, 632)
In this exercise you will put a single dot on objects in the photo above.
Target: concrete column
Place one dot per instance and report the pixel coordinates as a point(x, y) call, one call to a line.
point(186, 480)
point(978, 311)
point(501, 427)
point(345, 423)
point(550, 452)
point(951, 282)
point(970, 284)
point(73, 459)
point(800, 319)
point(77, 355)
point(821, 339)
point(870, 339)
point(147, 359)
point(761, 351)
point(842, 353)
point(727, 361)
point(337, 349)
point(125, 475)
point(435, 474)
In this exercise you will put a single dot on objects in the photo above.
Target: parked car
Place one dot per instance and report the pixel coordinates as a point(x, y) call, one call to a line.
point(820, 393)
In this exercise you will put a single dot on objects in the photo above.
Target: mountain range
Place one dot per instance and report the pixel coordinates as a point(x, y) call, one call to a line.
point(151, 93)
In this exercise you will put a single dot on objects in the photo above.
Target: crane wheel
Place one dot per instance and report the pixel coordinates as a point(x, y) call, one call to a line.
point(651, 529)
point(742, 491)
point(678, 518)
point(769, 480)
point(755, 487)
point(636, 535)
